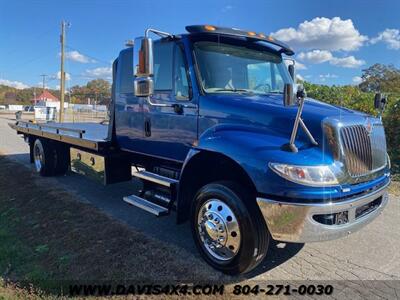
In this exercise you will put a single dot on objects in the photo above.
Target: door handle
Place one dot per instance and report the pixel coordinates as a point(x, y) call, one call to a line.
point(147, 128)
point(178, 108)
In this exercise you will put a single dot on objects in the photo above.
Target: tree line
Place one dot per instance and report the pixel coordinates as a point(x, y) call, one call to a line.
point(377, 78)
point(97, 90)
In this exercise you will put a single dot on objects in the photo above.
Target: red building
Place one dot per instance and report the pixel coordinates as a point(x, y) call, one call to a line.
point(46, 96)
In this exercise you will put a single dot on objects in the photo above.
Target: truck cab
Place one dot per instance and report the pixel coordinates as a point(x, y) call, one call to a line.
point(215, 112)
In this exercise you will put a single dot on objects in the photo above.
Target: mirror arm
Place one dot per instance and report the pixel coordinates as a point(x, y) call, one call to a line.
point(310, 136)
point(292, 146)
point(158, 32)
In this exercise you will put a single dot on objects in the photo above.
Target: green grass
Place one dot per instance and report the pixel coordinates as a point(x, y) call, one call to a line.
point(49, 240)
point(17, 257)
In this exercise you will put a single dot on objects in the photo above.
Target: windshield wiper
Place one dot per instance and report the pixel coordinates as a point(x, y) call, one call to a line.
point(232, 90)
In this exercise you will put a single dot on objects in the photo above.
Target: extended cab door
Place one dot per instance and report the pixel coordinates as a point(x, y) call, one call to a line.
point(128, 108)
point(170, 130)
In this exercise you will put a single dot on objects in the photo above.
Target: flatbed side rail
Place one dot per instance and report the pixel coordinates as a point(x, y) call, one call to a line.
point(55, 133)
point(58, 129)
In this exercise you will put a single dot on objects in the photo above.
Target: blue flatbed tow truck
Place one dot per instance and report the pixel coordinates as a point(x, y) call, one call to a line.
point(211, 124)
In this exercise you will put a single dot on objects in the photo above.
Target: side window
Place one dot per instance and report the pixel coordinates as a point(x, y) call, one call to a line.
point(163, 59)
point(125, 72)
point(181, 83)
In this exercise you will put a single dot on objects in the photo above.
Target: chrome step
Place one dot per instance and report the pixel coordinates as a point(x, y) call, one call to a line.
point(161, 180)
point(146, 205)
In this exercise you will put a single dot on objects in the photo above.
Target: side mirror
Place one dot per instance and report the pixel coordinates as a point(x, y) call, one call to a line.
point(380, 101)
point(288, 97)
point(143, 86)
point(291, 71)
point(301, 92)
point(377, 100)
point(143, 67)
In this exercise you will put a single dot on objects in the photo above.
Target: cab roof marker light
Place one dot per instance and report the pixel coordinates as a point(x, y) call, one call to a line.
point(240, 33)
point(209, 28)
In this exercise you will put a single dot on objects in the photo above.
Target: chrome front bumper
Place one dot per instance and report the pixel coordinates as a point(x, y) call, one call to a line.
point(294, 222)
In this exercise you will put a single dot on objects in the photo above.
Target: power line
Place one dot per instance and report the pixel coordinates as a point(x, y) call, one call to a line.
point(30, 60)
point(90, 56)
point(44, 81)
point(34, 38)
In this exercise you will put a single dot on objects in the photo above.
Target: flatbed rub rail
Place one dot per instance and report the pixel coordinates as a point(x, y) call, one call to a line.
point(40, 126)
point(40, 130)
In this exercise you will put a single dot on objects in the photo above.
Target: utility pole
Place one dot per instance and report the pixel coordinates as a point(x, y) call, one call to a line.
point(44, 81)
point(34, 96)
point(62, 74)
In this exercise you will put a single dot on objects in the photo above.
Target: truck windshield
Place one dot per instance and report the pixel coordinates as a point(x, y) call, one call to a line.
point(227, 68)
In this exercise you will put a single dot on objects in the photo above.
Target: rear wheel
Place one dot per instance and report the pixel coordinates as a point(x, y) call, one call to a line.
point(44, 157)
point(228, 229)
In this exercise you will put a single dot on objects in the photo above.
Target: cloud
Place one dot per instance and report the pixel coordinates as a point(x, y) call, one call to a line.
point(15, 84)
point(347, 62)
point(101, 72)
point(357, 79)
point(226, 8)
point(391, 37)
point(321, 56)
point(323, 33)
point(78, 57)
point(299, 77)
point(315, 56)
point(67, 75)
point(298, 65)
point(324, 77)
point(328, 76)
point(40, 85)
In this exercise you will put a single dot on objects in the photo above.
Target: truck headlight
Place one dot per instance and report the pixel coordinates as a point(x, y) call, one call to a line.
point(307, 175)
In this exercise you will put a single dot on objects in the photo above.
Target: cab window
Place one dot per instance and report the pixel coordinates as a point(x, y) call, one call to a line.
point(163, 58)
point(181, 82)
point(170, 76)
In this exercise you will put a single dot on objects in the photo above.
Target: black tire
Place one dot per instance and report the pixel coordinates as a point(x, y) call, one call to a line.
point(45, 157)
point(253, 231)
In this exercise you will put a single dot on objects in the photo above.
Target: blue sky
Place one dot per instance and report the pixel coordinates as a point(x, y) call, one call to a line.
point(333, 40)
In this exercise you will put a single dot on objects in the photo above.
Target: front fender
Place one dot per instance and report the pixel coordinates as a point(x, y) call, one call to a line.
point(253, 148)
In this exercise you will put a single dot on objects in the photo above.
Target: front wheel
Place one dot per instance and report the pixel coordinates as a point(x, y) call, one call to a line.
point(228, 228)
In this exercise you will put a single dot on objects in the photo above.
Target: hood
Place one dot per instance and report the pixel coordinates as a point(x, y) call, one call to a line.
point(267, 112)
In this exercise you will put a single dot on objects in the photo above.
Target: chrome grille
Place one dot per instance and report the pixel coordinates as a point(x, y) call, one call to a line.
point(378, 145)
point(363, 152)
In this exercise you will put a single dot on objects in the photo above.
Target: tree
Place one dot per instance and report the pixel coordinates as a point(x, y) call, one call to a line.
point(381, 78)
point(98, 90)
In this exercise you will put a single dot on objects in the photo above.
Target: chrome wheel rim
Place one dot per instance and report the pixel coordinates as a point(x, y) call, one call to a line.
point(219, 230)
point(38, 157)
